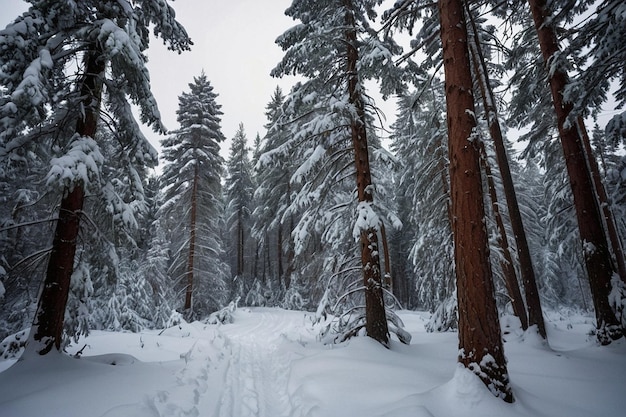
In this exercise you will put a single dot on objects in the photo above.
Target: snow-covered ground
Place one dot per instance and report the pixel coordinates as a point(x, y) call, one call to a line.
point(269, 363)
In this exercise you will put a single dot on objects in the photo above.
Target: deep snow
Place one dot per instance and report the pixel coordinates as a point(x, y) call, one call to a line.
point(269, 363)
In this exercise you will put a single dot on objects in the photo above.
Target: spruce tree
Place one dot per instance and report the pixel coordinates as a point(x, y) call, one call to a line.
point(238, 193)
point(336, 49)
point(594, 244)
point(420, 143)
point(63, 63)
point(193, 202)
point(273, 221)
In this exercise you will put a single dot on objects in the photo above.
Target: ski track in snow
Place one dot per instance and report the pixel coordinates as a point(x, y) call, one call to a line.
point(256, 379)
point(255, 373)
point(184, 400)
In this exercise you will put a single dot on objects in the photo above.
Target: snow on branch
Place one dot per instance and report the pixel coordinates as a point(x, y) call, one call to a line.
point(32, 89)
point(366, 219)
point(81, 163)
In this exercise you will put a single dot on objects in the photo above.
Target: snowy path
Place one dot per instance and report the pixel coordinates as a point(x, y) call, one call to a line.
point(258, 372)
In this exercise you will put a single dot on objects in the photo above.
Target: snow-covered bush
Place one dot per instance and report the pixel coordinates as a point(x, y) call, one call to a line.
point(224, 315)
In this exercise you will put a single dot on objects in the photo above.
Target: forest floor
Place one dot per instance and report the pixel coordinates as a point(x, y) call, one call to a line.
point(269, 363)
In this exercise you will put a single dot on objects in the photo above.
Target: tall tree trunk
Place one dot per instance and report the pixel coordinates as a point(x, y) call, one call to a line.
point(594, 245)
point(535, 312)
point(375, 316)
point(508, 270)
point(480, 341)
point(240, 246)
point(47, 330)
point(279, 254)
point(192, 245)
point(603, 201)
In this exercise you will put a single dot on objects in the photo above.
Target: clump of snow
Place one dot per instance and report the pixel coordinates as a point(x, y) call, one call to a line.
point(80, 164)
point(312, 159)
point(32, 89)
point(588, 248)
point(366, 219)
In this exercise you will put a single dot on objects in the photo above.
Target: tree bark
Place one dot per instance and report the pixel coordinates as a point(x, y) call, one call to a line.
point(375, 316)
point(603, 201)
point(508, 270)
point(527, 272)
point(47, 331)
point(594, 245)
point(480, 342)
point(188, 307)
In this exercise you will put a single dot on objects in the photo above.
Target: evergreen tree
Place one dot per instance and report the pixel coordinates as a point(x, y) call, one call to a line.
point(239, 191)
point(491, 111)
point(480, 343)
point(419, 142)
point(336, 49)
point(154, 270)
point(24, 216)
point(62, 64)
point(193, 203)
point(595, 248)
point(273, 220)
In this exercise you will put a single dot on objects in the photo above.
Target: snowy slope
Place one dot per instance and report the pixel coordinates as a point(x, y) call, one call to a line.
point(269, 363)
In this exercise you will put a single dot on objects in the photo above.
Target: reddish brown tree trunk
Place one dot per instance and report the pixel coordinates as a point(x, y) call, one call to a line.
point(508, 270)
point(375, 316)
point(535, 312)
point(192, 245)
point(47, 331)
point(603, 201)
point(594, 245)
point(480, 342)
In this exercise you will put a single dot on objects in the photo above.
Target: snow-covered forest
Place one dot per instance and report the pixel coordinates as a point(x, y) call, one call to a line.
point(467, 260)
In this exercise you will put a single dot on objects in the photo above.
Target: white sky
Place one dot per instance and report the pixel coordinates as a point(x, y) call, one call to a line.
point(233, 44)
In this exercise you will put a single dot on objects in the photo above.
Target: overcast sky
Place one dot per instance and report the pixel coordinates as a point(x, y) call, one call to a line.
point(233, 44)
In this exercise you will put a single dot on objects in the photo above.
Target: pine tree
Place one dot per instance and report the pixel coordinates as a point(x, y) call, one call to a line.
point(273, 221)
point(419, 142)
point(192, 201)
point(480, 343)
point(336, 49)
point(552, 222)
point(527, 271)
point(593, 239)
point(62, 64)
point(239, 192)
